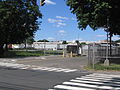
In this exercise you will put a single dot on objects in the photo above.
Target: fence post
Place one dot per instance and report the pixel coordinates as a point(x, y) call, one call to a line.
point(93, 60)
point(71, 54)
point(88, 55)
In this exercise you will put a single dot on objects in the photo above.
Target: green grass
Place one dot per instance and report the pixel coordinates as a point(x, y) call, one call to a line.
point(18, 53)
point(12, 54)
point(28, 53)
point(113, 67)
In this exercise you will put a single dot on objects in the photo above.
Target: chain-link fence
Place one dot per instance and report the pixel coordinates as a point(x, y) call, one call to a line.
point(101, 52)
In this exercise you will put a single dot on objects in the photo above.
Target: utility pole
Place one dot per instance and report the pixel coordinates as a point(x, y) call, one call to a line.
point(106, 62)
point(44, 47)
point(25, 44)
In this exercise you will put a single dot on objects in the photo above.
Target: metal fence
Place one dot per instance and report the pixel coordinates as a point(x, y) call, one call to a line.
point(99, 52)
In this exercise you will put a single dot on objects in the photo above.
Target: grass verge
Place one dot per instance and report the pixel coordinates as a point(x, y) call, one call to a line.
point(23, 53)
point(14, 54)
point(111, 67)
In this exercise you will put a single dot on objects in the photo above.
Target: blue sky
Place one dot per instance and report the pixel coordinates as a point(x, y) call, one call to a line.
point(58, 23)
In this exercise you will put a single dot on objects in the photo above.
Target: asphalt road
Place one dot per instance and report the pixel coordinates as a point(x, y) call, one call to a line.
point(16, 79)
point(49, 72)
point(56, 61)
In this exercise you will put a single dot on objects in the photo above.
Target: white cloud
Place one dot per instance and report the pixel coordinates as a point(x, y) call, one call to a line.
point(60, 17)
point(50, 2)
point(61, 32)
point(54, 20)
point(115, 38)
point(51, 38)
point(74, 19)
point(60, 24)
point(100, 35)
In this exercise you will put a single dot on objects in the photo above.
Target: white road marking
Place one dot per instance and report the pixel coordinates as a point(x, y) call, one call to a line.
point(71, 70)
point(54, 69)
point(33, 67)
point(106, 87)
point(93, 81)
point(71, 87)
point(80, 84)
point(81, 81)
point(103, 75)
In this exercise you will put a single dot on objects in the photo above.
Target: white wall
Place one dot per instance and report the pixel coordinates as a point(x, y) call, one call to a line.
point(46, 45)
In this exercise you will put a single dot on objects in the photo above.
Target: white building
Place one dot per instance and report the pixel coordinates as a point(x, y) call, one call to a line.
point(49, 45)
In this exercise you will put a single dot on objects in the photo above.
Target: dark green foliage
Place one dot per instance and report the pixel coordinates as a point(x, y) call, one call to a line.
point(16, 54)
point(29, 40)
point(77, 41)
point(64, 42)
point(44, 40)
point(83, 43)
point(97, 14)
point(18, 20)
point(29, 53)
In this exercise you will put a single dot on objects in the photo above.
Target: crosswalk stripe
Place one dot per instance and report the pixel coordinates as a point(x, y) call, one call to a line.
point(99, 80)
point(90, 79)
point(71, 70)
point(61, 70)
point(40, 68)
point(44, 68)
point(54, 69)
point(97, 76)
point(117, 88)
point(80, 84)
point(33, 67)
point(103, 75)
point(106, 87)
point(93, 81)
point(71, 87)
point(82, 81)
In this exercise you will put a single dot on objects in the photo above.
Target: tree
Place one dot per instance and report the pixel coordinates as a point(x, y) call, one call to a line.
point(44, 40)
point(18, 21)
point(64, 42)
point(117, 41)
point(83, 43)
point(30, 40)
point(97, 14)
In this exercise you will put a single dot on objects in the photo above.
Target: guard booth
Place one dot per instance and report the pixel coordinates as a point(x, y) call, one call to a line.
point(76, 50)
